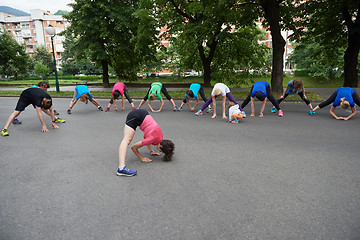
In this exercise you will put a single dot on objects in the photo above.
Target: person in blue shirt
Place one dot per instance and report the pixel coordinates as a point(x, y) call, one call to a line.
point(293, 87)
point(82, 92)
point(344, 97)
point(194, 90)
point(261, 90)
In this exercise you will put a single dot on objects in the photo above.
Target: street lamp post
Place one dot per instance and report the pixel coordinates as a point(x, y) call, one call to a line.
point(51, 31)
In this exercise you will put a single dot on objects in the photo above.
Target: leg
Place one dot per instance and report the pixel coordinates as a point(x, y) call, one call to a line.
point(126, 93)
point(272, 99)
point(206, 104)
point(202, 94)
point(330, 100)
point(164, 91)
point(246, 101)
point(128, 136)
point(356, 99)
point(301, 95)
point(232, 99)
point(282, 99)
point(11, 118)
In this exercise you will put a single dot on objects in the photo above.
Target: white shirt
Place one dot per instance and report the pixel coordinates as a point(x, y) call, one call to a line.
point(233, 109)
point(223, 88)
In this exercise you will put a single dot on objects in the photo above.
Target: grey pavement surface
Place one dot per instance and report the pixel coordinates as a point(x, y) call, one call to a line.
point(295, 177)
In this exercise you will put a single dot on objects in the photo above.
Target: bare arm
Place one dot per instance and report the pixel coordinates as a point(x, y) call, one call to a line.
point(114, 102)
point(214, 106)
point(223, 105)
point(332, 109)
point(41, 118)
point(151, 151)
point(353, 110)
point(287, 88)
point(123, 102)
point(262, 108)
point(252, 107)
point(73, 103)
point(135, 149)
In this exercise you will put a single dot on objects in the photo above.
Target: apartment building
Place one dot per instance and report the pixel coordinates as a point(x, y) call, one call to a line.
point(31, 30)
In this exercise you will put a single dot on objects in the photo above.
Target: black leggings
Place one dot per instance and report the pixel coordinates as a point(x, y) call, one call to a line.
point(332, 98)
point(301, 95)
point(202, 94)
point(135, 118)
point(163, 90)
point(126, 93)
point(269, 96)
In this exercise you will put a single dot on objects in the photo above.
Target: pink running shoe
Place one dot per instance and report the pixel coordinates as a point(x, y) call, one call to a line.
point(234, 121)
point(281, 114)
point(198, 113)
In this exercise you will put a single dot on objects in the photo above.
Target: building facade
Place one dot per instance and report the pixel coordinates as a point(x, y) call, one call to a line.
point(31, 30)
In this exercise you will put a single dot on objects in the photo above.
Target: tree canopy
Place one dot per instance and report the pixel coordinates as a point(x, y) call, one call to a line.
point(104, 31)
point(14, 61)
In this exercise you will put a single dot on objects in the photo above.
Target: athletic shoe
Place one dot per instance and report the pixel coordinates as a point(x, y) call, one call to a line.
point(55, 112)
point(107, 109)
point(234, 121)
point(198, 113)
point(126, 172)
point(4, 132)
point(100, 108)
point(244, 114)
point(180, 109)
point(273, 110)
point(175, 109)
point(281, 114)
point(138, 108)
point(16, 121)
point(69, 111)
point(209, 110)
point(59, 120)
point(133, 108)
point(312, 112)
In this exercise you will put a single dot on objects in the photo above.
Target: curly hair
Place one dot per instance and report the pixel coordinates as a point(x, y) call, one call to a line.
point(167, 147)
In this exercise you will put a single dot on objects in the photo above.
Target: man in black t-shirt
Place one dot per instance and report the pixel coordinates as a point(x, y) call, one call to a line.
point(40, 100)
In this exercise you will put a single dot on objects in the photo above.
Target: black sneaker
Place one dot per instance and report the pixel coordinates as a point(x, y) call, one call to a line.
point(69, 111)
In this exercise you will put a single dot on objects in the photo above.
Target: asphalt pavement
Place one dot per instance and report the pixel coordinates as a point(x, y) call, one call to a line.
point(295, 177)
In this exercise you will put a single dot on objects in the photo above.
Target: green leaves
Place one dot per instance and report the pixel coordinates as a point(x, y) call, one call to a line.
point(14, 61)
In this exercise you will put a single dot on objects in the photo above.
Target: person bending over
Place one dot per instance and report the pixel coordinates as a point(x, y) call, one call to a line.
point(219, 89)
point(152, 136)
point(154, 92)
point(82, 92)
point(194, 90)
point(40, 100)
point(261, 90)
point(118, 90)
point(344, 97)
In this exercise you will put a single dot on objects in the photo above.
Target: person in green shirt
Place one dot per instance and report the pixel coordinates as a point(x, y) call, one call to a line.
point(154, 92)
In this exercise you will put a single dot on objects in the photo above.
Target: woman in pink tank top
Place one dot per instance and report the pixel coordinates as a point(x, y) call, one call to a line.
point(118, 90)
point(152, 136)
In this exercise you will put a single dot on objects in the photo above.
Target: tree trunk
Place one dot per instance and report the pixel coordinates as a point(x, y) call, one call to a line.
point(206, 61)
point(351, 57)
point(272, 15)
point(105, 68)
